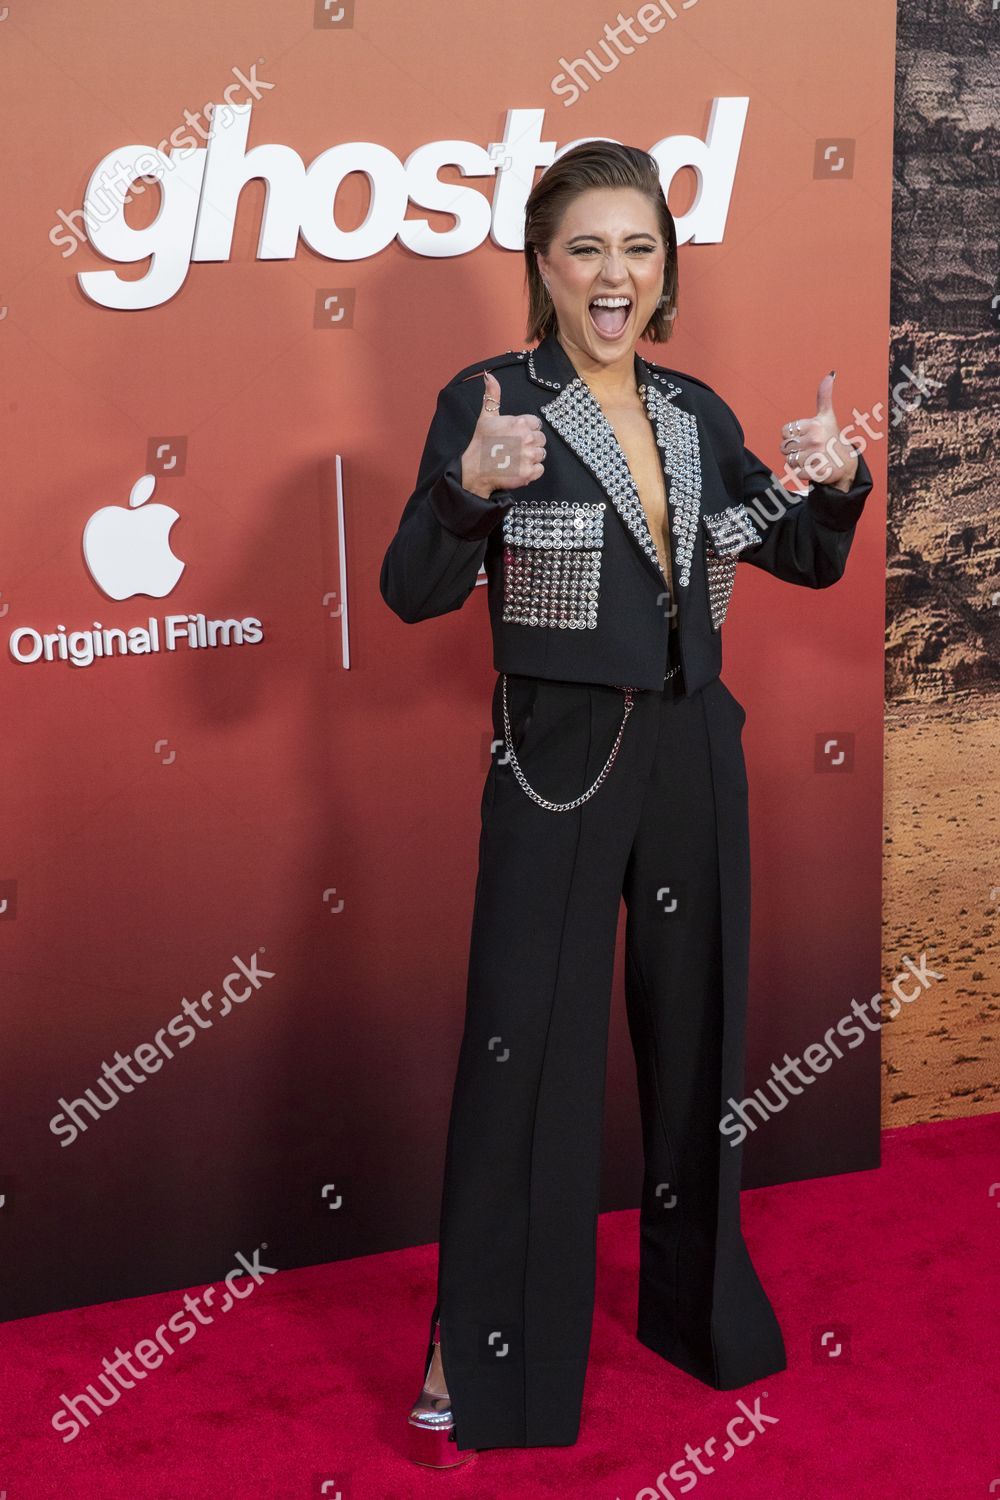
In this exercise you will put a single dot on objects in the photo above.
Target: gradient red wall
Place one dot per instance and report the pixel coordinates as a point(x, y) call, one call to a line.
point(313, 797)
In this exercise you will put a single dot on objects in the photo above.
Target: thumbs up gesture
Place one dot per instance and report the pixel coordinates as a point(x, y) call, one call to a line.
point(818, 438)
point(506, 451)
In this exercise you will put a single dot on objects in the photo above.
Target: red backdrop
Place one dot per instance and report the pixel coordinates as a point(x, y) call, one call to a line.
point(311, 796)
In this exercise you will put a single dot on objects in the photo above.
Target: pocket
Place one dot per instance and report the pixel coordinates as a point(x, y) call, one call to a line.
point(734, 701)
point(728, 533)
point(522, 692)
point(555, 726)
point(489, 790)
point(552, 563)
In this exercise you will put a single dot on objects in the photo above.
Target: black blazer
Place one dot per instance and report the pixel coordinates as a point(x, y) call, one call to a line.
point(574, 583)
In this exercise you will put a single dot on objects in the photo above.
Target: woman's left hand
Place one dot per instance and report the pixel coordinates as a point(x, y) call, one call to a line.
point(809, 436)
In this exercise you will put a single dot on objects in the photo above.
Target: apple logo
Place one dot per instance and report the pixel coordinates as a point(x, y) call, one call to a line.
point(128, 550)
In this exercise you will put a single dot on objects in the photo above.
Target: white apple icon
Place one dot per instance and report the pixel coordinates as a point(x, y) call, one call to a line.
point(128, 550)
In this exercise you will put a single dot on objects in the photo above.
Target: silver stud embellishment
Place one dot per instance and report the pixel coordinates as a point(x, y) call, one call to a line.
point(721, 574)
point(578, 418)
point(731, 529)
point(730, 532)
point(553, 385)
point(552, 563)
point(672, 388)
point(677, 435)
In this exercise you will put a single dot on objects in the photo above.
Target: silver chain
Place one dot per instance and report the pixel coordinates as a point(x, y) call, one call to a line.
point(522, 779)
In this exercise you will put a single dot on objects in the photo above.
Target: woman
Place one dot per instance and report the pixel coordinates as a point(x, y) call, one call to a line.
point(610, 500)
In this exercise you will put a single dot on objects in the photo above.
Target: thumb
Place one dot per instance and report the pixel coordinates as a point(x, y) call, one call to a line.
point(491, 392)
point(824, 395)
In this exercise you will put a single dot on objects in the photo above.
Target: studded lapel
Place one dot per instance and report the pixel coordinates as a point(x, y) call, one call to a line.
point(677, 437)
point(579, 420)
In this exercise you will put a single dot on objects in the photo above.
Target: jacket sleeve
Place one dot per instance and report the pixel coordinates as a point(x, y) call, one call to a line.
point(431, 564)
point(802, 539)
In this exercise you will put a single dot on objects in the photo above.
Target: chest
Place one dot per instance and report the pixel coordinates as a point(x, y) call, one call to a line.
point(635, 436)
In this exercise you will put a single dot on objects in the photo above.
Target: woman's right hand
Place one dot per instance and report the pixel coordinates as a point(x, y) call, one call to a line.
point(506, 451)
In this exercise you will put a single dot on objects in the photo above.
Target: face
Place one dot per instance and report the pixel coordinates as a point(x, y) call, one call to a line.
point(605, 270)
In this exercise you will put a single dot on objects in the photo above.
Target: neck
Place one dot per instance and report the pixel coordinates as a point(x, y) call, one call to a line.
point(611, 383)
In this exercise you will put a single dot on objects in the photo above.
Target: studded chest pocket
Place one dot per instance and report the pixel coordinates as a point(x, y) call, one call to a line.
point(552, 563)
point(729, 533)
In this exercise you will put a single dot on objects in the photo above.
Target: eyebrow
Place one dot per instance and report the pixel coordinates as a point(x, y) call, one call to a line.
point(641, 234)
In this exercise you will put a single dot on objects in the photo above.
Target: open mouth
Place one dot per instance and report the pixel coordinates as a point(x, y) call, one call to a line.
point(609, 315)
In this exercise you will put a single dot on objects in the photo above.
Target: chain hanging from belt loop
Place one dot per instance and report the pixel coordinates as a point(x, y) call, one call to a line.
point(629, 692)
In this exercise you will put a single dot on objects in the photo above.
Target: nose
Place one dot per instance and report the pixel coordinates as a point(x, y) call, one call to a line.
point(615, 270)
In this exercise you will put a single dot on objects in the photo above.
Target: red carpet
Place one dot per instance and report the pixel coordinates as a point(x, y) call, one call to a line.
point(311, 1376)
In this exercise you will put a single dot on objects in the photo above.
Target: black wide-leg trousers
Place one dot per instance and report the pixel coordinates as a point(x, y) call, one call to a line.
point(668, 831)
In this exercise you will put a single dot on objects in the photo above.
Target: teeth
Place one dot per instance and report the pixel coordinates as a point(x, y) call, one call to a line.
point(611, 302)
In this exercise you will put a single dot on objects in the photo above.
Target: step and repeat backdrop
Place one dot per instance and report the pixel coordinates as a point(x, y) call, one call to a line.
point(243, 249)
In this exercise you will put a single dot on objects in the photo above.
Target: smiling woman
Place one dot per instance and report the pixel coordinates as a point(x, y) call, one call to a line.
point(603, 288)
point(610, 555)
point(630, 266)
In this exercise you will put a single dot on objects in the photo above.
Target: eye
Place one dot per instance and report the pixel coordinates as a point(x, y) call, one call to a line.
point(592, 249)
